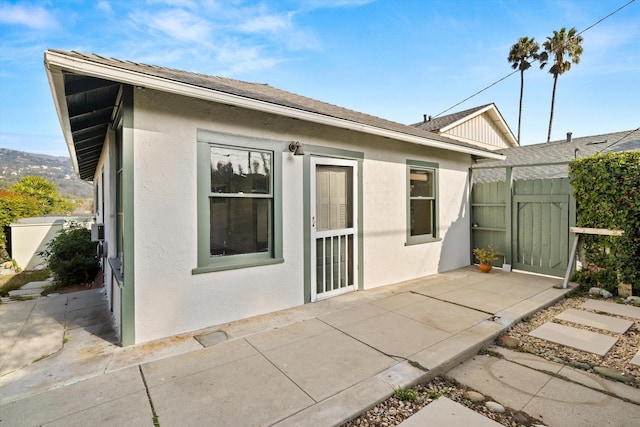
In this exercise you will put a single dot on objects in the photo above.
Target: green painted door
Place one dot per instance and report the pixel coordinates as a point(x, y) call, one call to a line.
point(540, 236)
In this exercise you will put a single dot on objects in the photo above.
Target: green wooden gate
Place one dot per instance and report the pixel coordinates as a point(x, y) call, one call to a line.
point(527, 221)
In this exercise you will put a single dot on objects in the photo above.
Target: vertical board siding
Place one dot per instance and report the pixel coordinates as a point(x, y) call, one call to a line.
point(539, 240)
point(480, 128)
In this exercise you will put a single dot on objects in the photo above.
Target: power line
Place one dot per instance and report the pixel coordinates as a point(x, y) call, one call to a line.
point(615, 142)
point(515, 71)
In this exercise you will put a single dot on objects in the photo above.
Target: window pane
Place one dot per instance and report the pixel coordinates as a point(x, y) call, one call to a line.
point(239, 225)
point(421, 182)
point(421, 217)
point(240, 171)
point(334, 197)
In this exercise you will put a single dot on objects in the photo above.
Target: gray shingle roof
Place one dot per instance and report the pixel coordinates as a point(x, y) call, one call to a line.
point(556, 151)
point(438, 123)
point(263, 92)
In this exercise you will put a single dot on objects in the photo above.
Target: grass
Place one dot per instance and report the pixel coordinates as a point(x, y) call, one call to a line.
point(44, 356)
point(405, 394)
point(12, 282)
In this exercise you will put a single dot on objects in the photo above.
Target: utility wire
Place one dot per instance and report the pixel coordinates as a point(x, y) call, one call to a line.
point(615, 142)
point(533, 61)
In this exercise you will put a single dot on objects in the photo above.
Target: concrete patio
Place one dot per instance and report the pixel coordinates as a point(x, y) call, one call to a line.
point(317, 364)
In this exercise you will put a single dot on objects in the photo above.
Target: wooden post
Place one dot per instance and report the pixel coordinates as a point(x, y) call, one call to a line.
point(582, 230)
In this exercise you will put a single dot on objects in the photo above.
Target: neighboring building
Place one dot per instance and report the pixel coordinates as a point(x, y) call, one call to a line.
point(545, 154)
point(30, 236)
point(208, 215)
point(483, 126)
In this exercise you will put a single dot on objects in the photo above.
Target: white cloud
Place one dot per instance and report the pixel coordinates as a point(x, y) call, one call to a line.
point(104, 6)
point(325, 4)
point(31, 16)
point(178, 24)
point(267, 23)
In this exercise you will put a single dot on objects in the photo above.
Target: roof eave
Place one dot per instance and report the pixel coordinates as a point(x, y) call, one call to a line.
point(60, 61)
point(56, 84)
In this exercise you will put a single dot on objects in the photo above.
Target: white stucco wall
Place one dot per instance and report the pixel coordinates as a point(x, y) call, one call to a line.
point(169, 299)
point(30, 236)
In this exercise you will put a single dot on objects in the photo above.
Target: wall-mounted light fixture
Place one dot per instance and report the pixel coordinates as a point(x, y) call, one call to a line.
point(296, 148)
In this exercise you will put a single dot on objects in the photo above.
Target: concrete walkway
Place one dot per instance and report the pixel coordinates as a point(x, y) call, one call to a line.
point(319, 364)
point(556, 394)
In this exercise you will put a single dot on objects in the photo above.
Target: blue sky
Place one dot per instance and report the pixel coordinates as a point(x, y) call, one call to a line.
point(396, 59)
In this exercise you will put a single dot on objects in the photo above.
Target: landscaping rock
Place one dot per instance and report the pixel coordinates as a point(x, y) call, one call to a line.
point(612, 374)
point(520, 418)
point(581, 365)
point(495, 407)
point(508, 341)
point(474, 396)
point(595, 291)
point(632, 300)
point(600, 292)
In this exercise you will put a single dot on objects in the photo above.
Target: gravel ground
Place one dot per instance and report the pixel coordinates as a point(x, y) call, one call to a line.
point(617, 358)
point(393, 411)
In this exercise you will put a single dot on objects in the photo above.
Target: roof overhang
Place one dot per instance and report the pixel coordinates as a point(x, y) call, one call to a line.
point(57, 64)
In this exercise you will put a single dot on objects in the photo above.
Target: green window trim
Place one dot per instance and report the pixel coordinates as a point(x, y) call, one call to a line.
point(206, 262)
point(432, 169)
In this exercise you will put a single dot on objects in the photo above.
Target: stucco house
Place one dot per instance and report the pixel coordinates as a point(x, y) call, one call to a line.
point(483, 126)
point(223, 199)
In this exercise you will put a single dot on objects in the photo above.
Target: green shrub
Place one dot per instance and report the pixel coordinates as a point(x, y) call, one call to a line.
point(606, 191)
point(71, 257)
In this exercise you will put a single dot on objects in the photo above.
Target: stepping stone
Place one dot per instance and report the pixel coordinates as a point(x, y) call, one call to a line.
point(599, 321)
point(612, 308)
point(38, 285)
point(25, 292)
point(636, 359)
point(446, 412)
point(577, 338)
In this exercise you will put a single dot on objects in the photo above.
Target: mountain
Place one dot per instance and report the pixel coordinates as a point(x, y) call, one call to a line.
point(15, 164)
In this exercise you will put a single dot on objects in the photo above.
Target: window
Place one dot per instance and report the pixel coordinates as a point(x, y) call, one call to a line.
point(240, 203)
point(422, 208)
point(239, 207)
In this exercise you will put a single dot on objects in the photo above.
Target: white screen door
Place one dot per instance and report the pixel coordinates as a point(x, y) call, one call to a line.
point(333, 227)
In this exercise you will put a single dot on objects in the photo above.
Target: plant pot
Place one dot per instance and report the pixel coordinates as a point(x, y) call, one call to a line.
point(485, 268)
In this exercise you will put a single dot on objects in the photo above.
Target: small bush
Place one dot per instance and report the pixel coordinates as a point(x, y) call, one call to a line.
point(71, 257)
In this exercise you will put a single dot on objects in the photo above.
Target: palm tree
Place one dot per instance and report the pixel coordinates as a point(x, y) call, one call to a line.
point(561, 44)
point(521, 55)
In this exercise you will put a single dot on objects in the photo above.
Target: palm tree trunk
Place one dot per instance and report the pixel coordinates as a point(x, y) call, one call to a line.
point(553, 101)
point(520, 110)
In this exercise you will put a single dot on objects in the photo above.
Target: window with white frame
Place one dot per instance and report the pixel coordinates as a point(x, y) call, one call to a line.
point(422, 206)
point(239, 206)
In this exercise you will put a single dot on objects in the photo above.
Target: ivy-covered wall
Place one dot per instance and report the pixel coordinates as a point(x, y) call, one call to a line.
point(607, 192)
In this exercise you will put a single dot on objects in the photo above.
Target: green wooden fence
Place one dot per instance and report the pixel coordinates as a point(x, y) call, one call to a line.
point(527, 221)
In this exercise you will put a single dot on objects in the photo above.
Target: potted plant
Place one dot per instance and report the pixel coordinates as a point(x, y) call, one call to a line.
point(485, 256)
